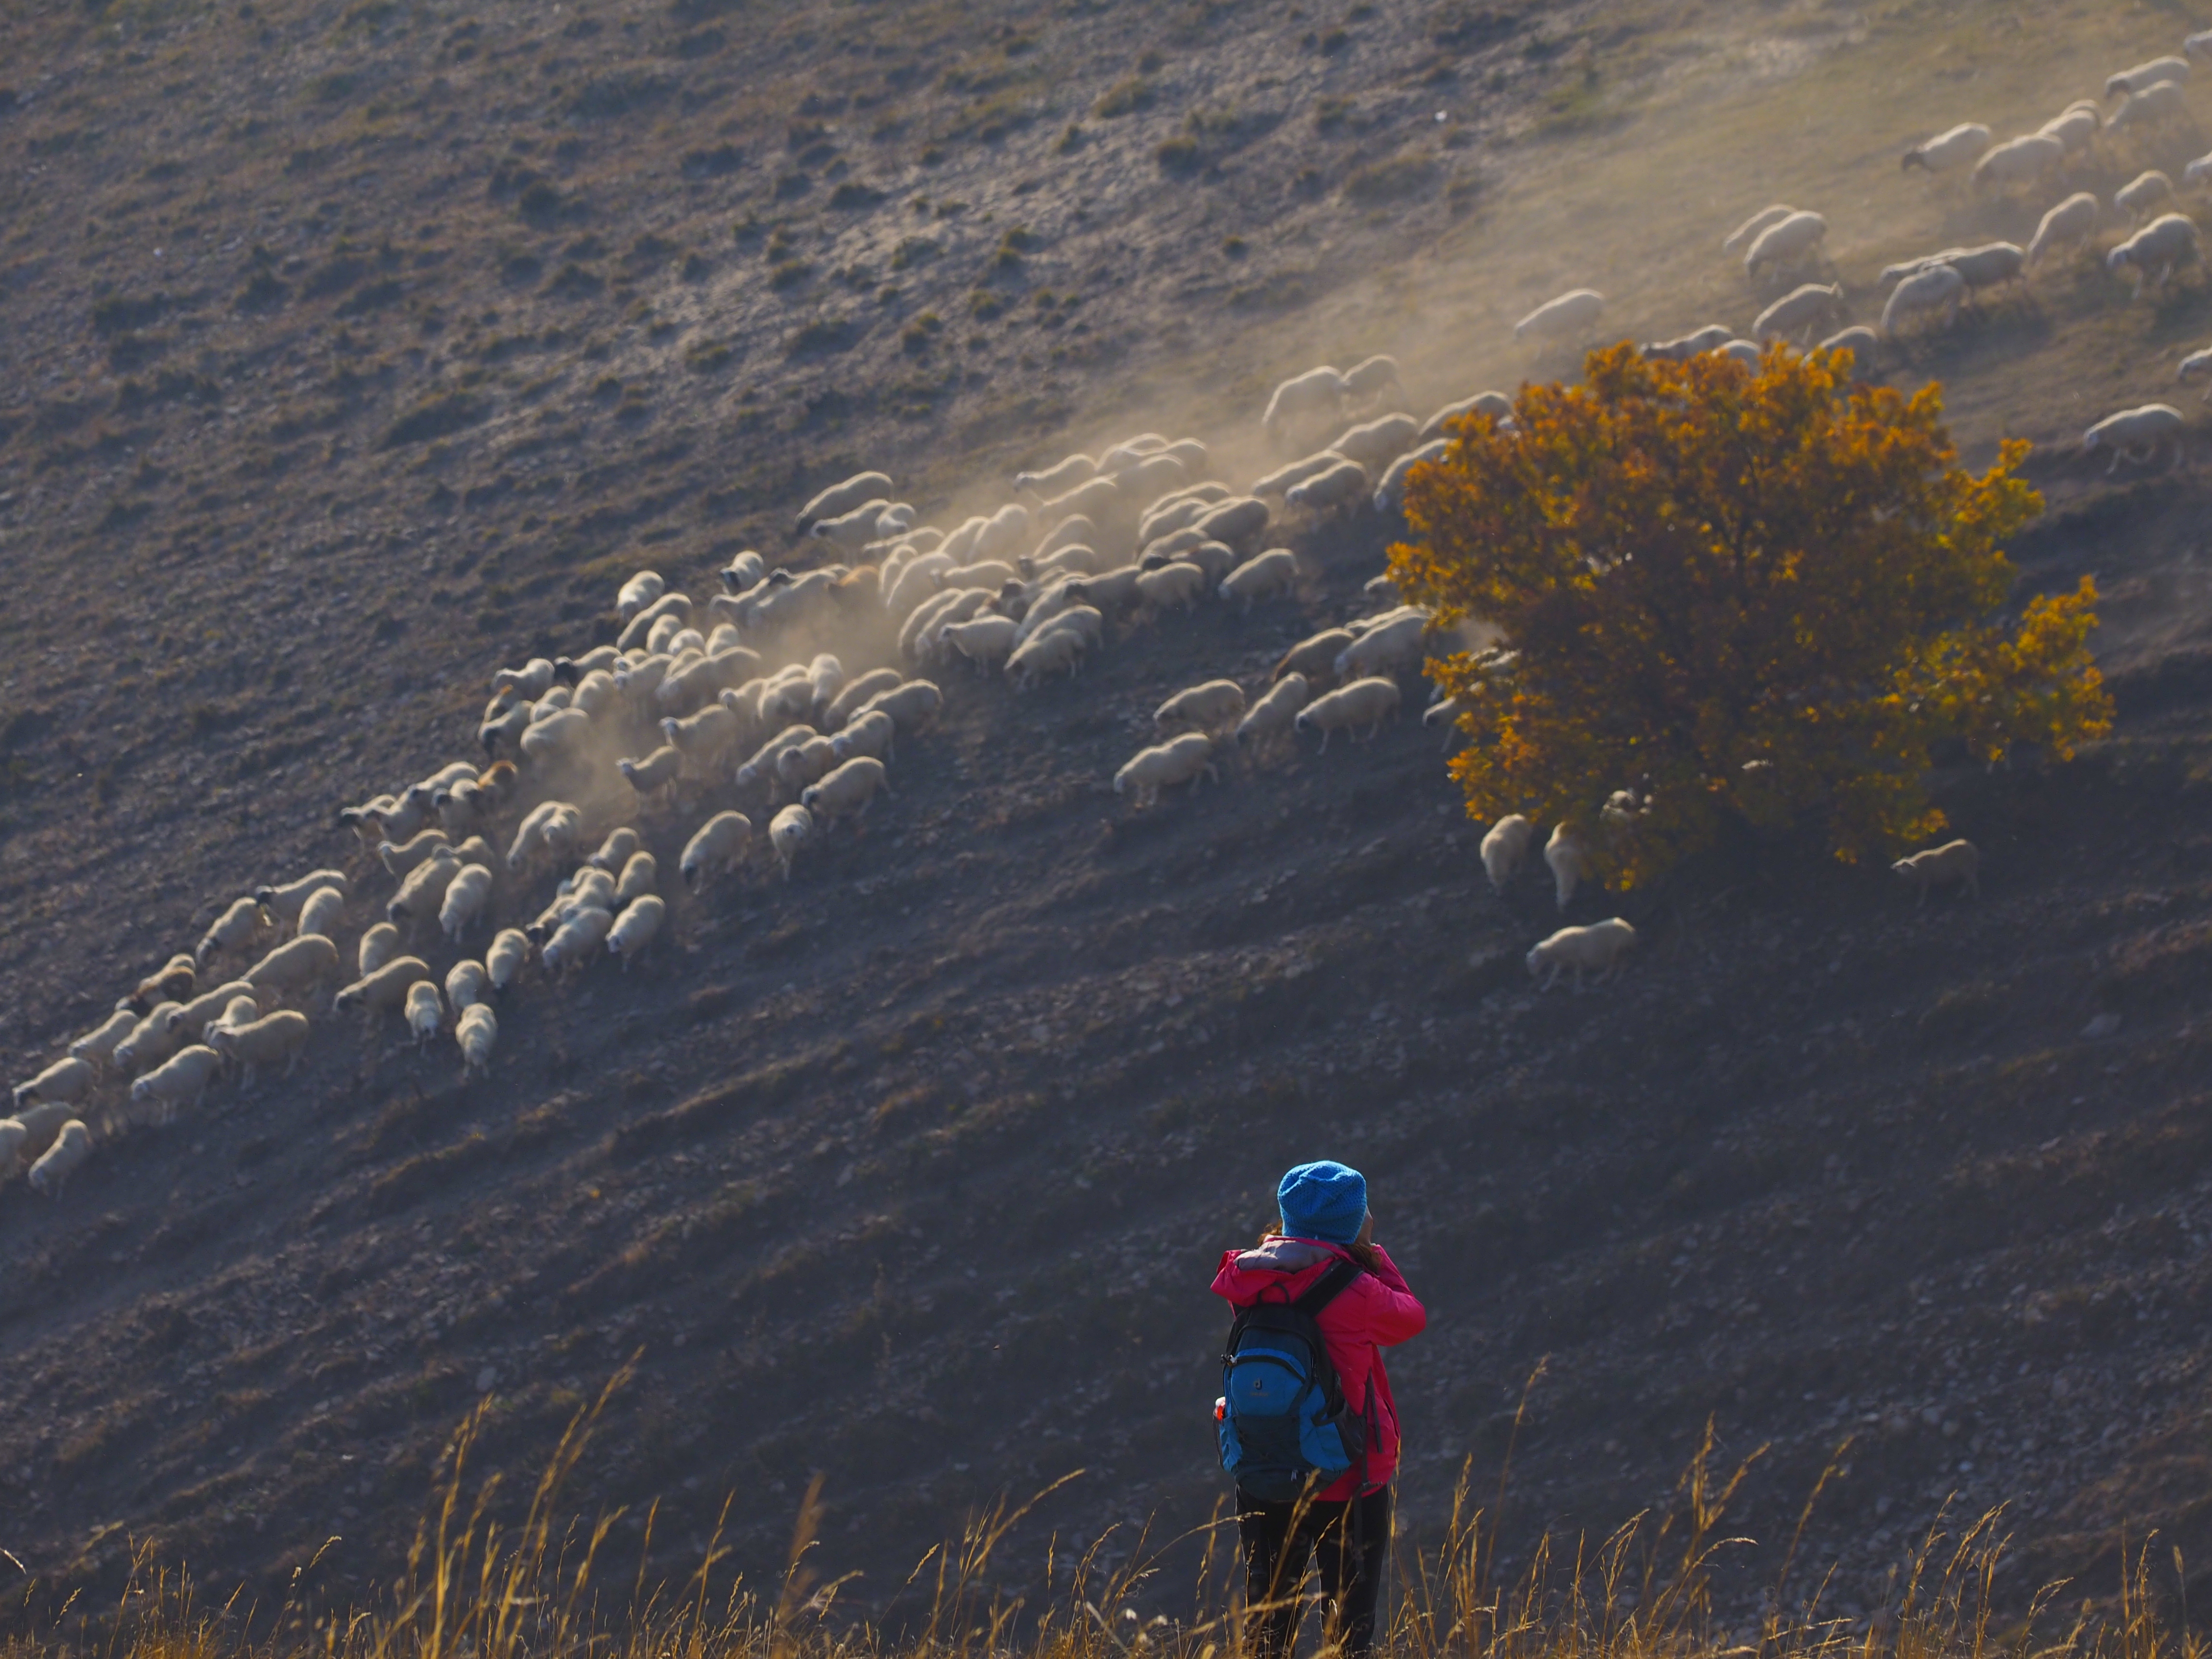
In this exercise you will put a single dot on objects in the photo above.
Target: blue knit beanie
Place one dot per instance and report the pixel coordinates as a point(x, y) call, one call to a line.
point(1326, 1200)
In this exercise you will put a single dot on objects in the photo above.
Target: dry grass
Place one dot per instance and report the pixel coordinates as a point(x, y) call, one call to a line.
point(550, 1586)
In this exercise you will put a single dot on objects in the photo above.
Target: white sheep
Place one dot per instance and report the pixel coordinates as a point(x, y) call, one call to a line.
point(2077, 127)
point(575, 941)
point(549, 830)
point(2156, 251)
point(639, 592)
point(1317, 394)
point(183, 1077)
point(284, 903)
point(2194, 366)
point(1568, 862)
point(466, 983)
point(295, 965)
point(64, 1082)
point(614, 852)
point(912, 705)
point(384, 989)
point(321, 914)
point(874, 734)
point(1371, 376)
point(1712, 338)
point(743, 572)
point(378, 946)
point(188, 1018)
point(531, 681)
point(505, 957)
point(1085, 622)
point(1063, 475)
point(1496, 405)
point(1961, 146)
point(655, 772)
point(788, 832)
point(1939, 288)
point(2164, 102)
point(1785, 242)
point(1052, 651)
point(2141, 194)
point(2160, 71)
point(2136, 434)
point(634, 929)
point(476, 1031)
point(1270, 574)
point(425, 1011)
point(424, 890)
point(986, 642)
point(1177, 585)
point(761, 768)
point(801, 763)
point(840, 498)
point(238, 1014)
point(261, 1042)
point(1236, 521)
point(2074, 220)
point(240, 927)
point(2199, 45)
point(1274, 714)
point(1504, 846)
point(641, 875)
point(1375, 444)
point(1600, 945)
point(1957, 860)
point(847, 791)
point(639, 629)
point(71, 1147)
point(1188, 758)
point(1365, 702)
point(1747, 232)
point(1397, 644)
point(2024, 160)
point(1390, 494)
point(96, 1047)
point(464, 901)
point(1275, 485)
point(1570, 316)
point(1800, 311)
point(1201, 707)
point(1345, 484)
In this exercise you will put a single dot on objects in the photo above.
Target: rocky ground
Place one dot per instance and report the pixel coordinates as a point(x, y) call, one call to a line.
point(354, 350)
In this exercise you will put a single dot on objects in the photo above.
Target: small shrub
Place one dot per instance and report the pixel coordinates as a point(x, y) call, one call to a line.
point(716, 163)
point(1181, 154)
point(823, 334)
point(704, 356)
point(789, 273)
point(917, 336)
point(983, 305)
point(854, 194)
point(913, 251)
point(1393, 178)
point(1125, 97)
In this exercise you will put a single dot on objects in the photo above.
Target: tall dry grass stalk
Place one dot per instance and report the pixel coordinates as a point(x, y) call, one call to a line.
point(474, 1588)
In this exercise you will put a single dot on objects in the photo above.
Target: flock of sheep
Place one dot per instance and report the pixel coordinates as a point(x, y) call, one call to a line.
point(1786, 242)
point(730, 698)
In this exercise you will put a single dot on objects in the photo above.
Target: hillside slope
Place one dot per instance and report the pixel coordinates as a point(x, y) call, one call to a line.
point(356, 349)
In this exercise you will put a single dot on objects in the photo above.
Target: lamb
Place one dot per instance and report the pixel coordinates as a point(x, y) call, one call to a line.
point(1600, 945)
point(787, 831)
point(842, 498)
point(1062, 475)
point(1797, 314)
point(504, 958)
point(1939, 288)
point(238, 928)
point(1318, 393)
point(465, 896)
point(639, 592)
point(96, 1047)
point(2164, 102)
point(1345, 484)
point(986, 642)
point(476, 1030)
point(846, 792)
point(281, 1035)
point(378, 946)
point(2142, 193)
point(71, 1147)
point(174, 978)
point(2019, 161)
point(2136, 434)
point(1395, 645)
point(715, 849)
point(64, 1082)
point(1569, 316)
point(1785, 241)
point(658, 771)
point(1504, 848)
point(2074, 220)
point(1272, 575)
point(2196, 364)
point(425, 1011)
point(1179, 586)
point(1390, 494)
point(1365, 702)
point(1274, 714)
point(1744, 234)
point(295, 965)
point(857, 693)
point(1315, 658)
point(912, 705)
point(1956, 860)
point(1051, 651)
point(183, 1077)
point(466, 983)
point(187, 1018)
point(1959, 147)
point(1188, 758)
point(424, 890)
point(2160, 71)
point(1237, 520)
point(2161, 246)
point(531, 681)
point(384, 989)
point(1569, 863)
point(1496, 405)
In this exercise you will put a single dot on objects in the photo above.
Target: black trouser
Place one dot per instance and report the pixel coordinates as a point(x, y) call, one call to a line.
point(1349, 1543)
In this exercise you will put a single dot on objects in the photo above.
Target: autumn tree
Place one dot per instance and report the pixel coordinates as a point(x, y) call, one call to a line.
point(1720, 594)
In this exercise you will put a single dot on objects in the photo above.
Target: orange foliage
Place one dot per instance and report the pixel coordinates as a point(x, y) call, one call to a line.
point(1726, 594)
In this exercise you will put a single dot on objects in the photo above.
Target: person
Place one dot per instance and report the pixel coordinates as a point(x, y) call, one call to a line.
point(1345, 1529)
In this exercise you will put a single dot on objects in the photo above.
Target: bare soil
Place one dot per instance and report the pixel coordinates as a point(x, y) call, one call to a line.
point(353, 348)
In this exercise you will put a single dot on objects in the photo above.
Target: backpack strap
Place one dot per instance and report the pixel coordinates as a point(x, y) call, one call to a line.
point(1326, 1289)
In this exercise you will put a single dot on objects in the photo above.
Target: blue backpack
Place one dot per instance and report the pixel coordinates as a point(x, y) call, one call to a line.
point(1284, 1423)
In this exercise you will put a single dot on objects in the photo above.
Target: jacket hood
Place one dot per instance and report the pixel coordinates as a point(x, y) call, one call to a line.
point(1244, 1274)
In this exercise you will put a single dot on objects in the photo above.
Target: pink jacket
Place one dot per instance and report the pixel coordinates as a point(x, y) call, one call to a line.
point(1374, 1312)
